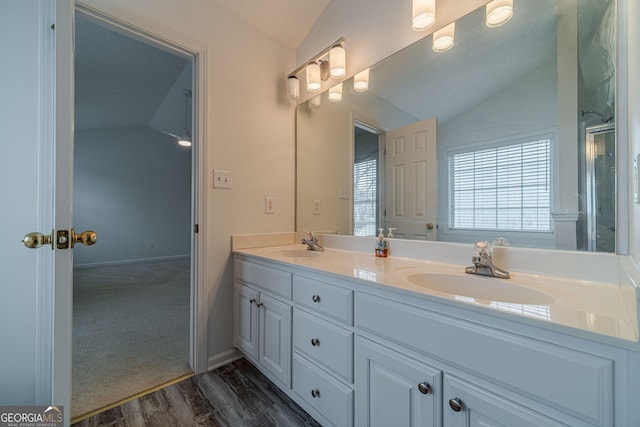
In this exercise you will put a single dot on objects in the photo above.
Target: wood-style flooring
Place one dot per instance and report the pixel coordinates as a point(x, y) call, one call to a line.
point(236, 394)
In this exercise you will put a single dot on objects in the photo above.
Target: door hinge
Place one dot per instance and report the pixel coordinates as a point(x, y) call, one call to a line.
point(195, 228)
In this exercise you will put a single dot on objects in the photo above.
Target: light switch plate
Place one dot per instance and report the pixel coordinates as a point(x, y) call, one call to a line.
point(222, 179)
point(269, 205)
point(316, 207)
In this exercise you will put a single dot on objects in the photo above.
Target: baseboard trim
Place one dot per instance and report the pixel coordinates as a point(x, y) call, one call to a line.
point(221, 359)
point(130, 261)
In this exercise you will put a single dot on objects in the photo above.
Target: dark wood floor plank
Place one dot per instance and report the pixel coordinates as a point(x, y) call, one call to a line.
point(234, 395)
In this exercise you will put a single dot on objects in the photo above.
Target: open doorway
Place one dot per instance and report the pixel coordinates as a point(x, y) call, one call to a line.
point(133, 186)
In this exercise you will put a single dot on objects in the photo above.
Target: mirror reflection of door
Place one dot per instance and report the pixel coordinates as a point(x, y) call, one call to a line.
point(367, 175)
point(411, 190)
point(601, 188)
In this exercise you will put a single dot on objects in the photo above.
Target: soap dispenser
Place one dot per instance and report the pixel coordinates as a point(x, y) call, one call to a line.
point(381, 245)
point(390, 233)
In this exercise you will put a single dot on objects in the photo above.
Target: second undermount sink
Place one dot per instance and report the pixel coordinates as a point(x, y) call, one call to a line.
point(480, 287)
point(297, 253)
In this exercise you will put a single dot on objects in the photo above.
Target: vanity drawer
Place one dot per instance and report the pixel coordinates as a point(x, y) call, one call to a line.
point(329, 345)
point(333, 301)
point(577, 383)
point(327, 395)
point(277, 282)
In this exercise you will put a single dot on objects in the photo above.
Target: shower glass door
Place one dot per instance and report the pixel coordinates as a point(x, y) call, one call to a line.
point(601, 188)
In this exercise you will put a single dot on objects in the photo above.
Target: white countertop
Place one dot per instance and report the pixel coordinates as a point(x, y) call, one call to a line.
point(598, 308)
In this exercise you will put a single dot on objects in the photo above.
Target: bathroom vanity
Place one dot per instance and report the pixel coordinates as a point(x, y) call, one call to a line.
point(365, 341)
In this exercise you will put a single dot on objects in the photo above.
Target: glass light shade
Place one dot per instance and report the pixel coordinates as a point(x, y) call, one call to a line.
point(443, 39)
point(313, 77)
point(361, 81)
point(315, 101)
point(337, 61)
point(499, 12)
point(424, 14)
point(335, 93)
point(184, 142)
point(293, 87)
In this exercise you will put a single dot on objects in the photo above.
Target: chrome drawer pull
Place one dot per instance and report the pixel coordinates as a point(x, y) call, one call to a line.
point(316, 298)
point(315, 342)
point(424, 387)
point(455, 404)
point(315, 393)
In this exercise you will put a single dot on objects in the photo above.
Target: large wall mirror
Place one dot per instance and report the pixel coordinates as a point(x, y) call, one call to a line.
point(510, 133)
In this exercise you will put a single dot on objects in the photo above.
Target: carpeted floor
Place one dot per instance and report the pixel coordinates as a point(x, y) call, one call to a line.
point(130, 330)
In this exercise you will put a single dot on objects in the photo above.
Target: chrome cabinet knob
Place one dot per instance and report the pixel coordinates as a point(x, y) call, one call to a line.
point(315, 393)
point(424, 388)
point(316, 298)
point(315, 342)
point(455, 404)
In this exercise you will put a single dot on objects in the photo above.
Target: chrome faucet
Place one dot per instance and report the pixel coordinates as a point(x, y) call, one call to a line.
point(483, 262)
point(312, 242)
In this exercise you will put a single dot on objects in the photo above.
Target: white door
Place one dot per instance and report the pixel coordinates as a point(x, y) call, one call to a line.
point(411, 180)
point(36, 166)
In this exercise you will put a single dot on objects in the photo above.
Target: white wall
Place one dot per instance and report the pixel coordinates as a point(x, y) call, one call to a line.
point(132, 186)
point(249, 131)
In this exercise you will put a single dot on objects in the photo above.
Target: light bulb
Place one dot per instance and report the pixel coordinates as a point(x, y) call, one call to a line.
point(424, 14)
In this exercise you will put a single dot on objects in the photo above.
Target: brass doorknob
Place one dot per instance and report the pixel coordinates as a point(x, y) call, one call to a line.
point(87, 238)
point(35, 240)
point(430, 226)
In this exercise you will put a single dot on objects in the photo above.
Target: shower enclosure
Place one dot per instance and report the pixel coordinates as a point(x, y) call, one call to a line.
point(601, 187)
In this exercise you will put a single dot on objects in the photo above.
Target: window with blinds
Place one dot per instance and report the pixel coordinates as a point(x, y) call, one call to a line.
point(365, 197)
point(502, 188)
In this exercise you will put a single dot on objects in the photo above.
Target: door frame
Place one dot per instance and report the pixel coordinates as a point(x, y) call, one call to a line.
point(198, 292)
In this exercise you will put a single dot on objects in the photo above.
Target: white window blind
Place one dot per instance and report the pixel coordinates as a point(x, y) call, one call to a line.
point(365, 195)
point(501, 188)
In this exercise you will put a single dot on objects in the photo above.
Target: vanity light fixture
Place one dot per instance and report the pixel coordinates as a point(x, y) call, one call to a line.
point(313, 77)
point(330, 62)
point(423, 14)
point(443, 39)
point(361, 81)
point(293, 88)
point(337, 61)
point(499, 12)
point(315, 101)
point(335, 93)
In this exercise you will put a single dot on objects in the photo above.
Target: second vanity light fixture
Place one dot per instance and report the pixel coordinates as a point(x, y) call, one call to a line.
point(498, 13)
point(330, 62)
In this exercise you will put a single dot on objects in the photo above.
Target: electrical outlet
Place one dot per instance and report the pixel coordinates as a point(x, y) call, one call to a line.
point(316, 207)
point(269, 204)
point(222, 179)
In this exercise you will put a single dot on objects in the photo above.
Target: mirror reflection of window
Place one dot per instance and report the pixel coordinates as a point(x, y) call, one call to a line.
point(502, 188)
point(365, 180)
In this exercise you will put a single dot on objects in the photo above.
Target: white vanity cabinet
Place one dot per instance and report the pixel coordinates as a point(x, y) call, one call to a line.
point(490, 377)
point(262, 324)
point(323, 348)
point(394, 389)
point(352, 352)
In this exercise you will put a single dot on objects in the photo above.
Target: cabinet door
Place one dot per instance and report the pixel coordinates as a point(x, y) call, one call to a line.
point(245, 320)
point(275, 338)
point(469, 405)
point(394, 389)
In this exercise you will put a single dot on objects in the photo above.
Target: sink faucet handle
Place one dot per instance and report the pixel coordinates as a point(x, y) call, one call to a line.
point(500, 241)
point(482, 248)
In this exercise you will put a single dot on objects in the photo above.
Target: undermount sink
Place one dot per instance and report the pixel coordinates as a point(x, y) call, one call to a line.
point(297, 253)
point(481, 288)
